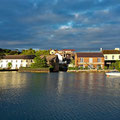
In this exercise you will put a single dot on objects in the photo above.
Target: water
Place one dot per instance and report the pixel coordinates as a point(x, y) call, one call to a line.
point(59, 96)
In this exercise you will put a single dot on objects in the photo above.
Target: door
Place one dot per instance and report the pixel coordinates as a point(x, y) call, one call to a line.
point(90, 60)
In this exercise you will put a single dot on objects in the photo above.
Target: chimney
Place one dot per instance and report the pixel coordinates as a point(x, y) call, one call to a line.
point(101, 49)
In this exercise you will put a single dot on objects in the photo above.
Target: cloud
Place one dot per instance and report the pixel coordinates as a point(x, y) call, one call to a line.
point(59, 23)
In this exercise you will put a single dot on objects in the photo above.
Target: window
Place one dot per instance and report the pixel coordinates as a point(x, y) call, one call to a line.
point(31, 61)
point(113, 57)
point(90, 60)
point(119, 56)
point(99, 59)
point(105, 57)
point(81, 60)
point(16, 60)
point(26, 60)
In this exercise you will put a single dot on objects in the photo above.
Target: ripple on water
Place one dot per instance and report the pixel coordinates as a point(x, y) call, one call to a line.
point(59, 96)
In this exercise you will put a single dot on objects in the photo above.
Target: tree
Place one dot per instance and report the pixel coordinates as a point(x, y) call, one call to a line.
point(42, 52)
point(28, 52)
point(73, 61)
point(39, 62)
point(9, 65)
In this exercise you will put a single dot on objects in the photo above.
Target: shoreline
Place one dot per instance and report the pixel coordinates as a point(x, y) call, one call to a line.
point(90, 71)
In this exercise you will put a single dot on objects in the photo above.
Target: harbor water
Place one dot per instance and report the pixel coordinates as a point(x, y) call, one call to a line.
point(59, 96)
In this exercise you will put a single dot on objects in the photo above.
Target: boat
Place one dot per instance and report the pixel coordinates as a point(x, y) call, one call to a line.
point(113, 73)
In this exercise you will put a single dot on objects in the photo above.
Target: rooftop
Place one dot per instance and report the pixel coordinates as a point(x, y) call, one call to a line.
point(90, 54)
point(111, 51)
point(68, 49)
point(18, 57)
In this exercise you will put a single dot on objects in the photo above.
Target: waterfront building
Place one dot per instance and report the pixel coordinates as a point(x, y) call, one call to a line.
point(111, 56)
point(67, 54)
point(92, 60)
point(16, 61)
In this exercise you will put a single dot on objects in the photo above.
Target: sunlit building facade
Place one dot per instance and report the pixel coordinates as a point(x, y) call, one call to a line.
point(16, 61)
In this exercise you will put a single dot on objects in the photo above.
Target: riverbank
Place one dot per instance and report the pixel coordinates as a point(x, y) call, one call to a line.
point(90, 70)
point(36, 70)
point(2, 70)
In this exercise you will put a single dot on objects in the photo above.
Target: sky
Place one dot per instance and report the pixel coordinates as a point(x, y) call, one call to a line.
point(59, 24)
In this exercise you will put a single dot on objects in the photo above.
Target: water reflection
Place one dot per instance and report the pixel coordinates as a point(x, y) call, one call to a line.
point(42, 96)
point(60, 82)
point(12, 80)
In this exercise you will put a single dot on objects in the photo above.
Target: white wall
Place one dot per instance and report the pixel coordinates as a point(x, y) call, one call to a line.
point(16, 63)
point(109, 56)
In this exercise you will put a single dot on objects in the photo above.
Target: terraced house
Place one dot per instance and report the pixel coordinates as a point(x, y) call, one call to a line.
point(16, 61)
point(92, 60)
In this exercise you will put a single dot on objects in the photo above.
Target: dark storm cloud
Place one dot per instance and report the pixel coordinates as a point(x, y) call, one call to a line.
point(59, 23)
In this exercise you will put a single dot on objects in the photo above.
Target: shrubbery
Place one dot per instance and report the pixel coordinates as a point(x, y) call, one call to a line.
point(39, 63)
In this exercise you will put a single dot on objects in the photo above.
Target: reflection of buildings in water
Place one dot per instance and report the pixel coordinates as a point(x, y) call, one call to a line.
point(12, 80)
point(60, 82)
point(90, 81)
point(113, 83)
point(94, 83)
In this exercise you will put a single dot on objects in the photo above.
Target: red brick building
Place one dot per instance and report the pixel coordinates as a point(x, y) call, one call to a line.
point(89, 59)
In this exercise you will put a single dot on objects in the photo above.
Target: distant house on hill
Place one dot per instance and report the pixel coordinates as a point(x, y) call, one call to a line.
point(111, 56)
point(89, 59)
point(16, 61)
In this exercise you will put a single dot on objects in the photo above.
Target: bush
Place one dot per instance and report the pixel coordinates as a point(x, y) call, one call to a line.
point(71, 68)
point(99, 68)
point(105, 67)
point(39, 63)
point(86, 67)
point(81, 68)
point(76, 68)
point(111, 67)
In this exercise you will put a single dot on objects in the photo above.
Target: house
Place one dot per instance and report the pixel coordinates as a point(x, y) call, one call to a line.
point(52, 60)
point(111, 56)
point(53, 52)
point(67, 54)
point(89, 59)
point(16, 61)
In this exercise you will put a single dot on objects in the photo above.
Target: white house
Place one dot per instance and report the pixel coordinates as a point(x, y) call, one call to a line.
point(16, 61)
point(111, 56)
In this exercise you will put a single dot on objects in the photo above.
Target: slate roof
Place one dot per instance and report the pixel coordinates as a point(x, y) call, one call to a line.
point(90, 54)
point(19, 57)
point(111, 51)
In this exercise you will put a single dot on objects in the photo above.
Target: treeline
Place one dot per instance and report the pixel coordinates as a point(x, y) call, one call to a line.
point(9, 52)
point(24, 52)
